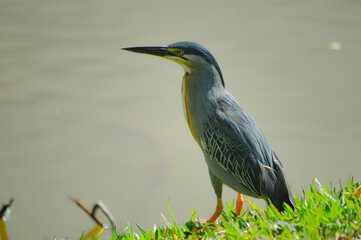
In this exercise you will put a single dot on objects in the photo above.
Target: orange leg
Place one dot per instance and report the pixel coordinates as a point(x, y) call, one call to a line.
point(218, 211)
point(239, 204)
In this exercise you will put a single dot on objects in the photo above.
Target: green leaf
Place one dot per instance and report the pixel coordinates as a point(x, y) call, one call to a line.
point(193, 216)
point(114, 235)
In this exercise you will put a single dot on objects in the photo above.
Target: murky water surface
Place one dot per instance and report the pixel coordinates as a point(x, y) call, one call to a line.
point(80, 118)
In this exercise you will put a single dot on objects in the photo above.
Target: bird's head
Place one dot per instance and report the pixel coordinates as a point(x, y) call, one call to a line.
point(190, 55)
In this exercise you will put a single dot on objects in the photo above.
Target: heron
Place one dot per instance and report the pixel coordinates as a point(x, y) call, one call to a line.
point(235, 150)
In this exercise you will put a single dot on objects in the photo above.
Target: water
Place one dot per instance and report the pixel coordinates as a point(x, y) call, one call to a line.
point(80, 118)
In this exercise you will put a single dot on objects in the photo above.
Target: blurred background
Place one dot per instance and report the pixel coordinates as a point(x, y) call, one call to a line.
point(81, 118)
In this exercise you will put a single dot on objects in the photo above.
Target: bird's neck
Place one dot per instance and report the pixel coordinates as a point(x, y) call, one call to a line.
point(186, 107)
point(196, 89)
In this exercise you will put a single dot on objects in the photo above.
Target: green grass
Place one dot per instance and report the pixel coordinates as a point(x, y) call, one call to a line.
point(322, 212)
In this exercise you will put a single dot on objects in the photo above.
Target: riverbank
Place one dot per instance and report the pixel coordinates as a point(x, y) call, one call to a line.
point(321, 212)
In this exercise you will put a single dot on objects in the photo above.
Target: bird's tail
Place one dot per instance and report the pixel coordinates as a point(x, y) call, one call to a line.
point(278, 191)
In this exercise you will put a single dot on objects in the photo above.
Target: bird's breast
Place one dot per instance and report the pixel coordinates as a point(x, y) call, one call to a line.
point(186, 108)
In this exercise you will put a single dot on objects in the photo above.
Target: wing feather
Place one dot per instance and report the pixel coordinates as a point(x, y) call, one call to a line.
point(234, 141)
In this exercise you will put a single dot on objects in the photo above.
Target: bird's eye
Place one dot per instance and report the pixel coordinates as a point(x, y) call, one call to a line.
point(180, 52)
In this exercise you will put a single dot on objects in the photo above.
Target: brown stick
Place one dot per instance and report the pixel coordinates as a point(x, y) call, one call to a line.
point(5, 207)
point(82, 206)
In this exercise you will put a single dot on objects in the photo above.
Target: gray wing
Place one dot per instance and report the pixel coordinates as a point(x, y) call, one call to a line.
point(234, 141)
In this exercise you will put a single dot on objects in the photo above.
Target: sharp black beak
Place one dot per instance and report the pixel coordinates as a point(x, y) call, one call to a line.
point(156, 51)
